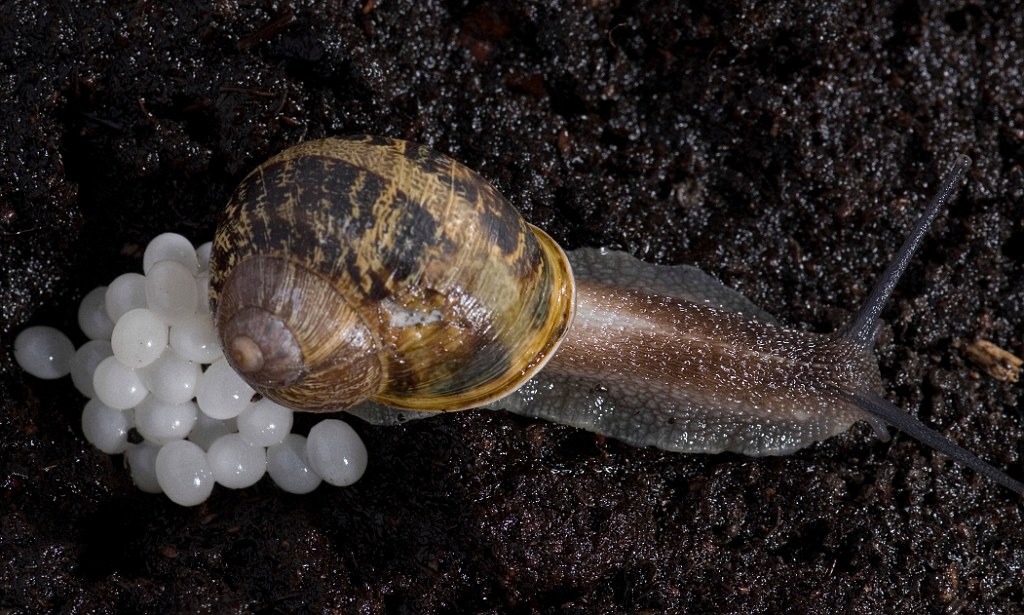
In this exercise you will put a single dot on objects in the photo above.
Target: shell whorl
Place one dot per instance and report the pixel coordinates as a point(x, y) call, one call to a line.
point(374, 268)
point(263, 332)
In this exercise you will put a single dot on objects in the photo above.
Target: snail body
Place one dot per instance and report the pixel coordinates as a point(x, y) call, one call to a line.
point(374, 275)
point(752, 387)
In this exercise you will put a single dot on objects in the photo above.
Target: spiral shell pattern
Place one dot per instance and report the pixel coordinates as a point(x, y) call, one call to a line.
point(381, 257)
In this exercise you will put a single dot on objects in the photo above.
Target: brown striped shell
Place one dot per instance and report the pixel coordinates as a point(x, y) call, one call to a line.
point(374, 268)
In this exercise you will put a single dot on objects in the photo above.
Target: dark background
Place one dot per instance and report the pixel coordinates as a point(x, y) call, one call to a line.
point(784, 148)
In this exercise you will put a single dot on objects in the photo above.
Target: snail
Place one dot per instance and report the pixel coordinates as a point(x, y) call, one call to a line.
point(378, 276)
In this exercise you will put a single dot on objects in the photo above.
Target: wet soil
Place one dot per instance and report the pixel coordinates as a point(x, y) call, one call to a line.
point(784, 148)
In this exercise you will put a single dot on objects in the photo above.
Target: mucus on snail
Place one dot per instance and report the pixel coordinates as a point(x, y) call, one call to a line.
point(374, 275)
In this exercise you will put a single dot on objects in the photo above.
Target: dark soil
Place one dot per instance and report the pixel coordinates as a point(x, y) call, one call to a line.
point(783, 147)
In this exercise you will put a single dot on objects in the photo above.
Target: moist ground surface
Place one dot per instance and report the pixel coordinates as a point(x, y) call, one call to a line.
point(785, 149)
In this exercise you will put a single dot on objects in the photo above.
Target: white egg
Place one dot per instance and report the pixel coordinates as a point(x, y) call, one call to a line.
point(171, 291)
point(203, 256)
point(170, 246)
point(142, 368)
point(203, 293)
point(117, 385)
point(236, 463)
point(44, 352)
point(336, 452)
point(287, 465)
point(126, 293)
point(183, 472)
point(195, 339)
point(161, 422)
point(265, 423)
point(207, 430)
point(141, 461)
point(106, 428)
point(92, 315)
point(222, 394)
point(139, 337)
point(172, 378)
point(83, 364)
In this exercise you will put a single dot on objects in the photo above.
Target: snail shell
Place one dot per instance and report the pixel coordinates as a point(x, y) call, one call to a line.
point(374, 268)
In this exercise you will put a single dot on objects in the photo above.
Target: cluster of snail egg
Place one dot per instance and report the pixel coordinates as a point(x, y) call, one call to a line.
point(153, 371)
